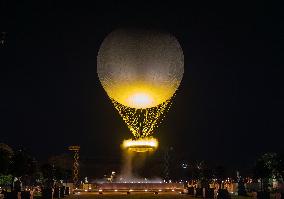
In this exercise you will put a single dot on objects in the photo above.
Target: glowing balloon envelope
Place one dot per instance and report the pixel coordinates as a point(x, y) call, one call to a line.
point(140, 68)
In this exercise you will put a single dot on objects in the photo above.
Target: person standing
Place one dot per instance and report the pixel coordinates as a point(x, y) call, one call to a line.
point(215, 193)
point(278, 194)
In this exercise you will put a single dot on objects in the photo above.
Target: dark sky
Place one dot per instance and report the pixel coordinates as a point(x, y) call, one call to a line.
point(228, 110)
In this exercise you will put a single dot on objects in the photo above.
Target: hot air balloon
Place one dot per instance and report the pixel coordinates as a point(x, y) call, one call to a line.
point(140, 70)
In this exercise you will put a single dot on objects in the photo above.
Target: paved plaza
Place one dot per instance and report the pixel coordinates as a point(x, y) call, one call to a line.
point(138, 195)
point(130, 196)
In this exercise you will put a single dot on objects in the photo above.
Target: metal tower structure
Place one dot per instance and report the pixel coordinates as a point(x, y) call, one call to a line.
point(75, 150)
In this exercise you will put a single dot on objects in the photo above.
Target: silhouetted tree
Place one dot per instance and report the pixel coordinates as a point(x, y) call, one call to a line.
point(62, 166)
point(51, 172)
point(64, 161)
point(23, 166)
point(220, 175)
point(47, 171)
point(201, 172)
point(22, 163)
point(62, 174)
point(6, 180)
point(241, 188)
point(5, 161)
point(269, 165)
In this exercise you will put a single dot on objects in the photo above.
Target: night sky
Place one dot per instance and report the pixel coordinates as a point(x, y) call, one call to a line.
point(228, 109)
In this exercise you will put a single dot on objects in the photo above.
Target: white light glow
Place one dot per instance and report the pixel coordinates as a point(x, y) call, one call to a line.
point(140, 100)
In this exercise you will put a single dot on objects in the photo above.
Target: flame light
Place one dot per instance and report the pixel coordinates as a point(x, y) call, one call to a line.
point(140, 145)
point(140, 99)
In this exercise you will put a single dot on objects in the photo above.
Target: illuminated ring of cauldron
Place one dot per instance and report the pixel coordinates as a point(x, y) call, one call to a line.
point(140, 145)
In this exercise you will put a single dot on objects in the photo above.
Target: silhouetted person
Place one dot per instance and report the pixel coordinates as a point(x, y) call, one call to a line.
point(17, 186)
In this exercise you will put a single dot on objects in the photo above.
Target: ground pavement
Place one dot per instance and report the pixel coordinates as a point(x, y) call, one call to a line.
point(133, 195)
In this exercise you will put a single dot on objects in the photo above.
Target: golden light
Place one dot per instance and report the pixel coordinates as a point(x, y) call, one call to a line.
point(140, 70)
point(141, 145)
point(142, 122)
point(146, 62)
point(140, 100)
